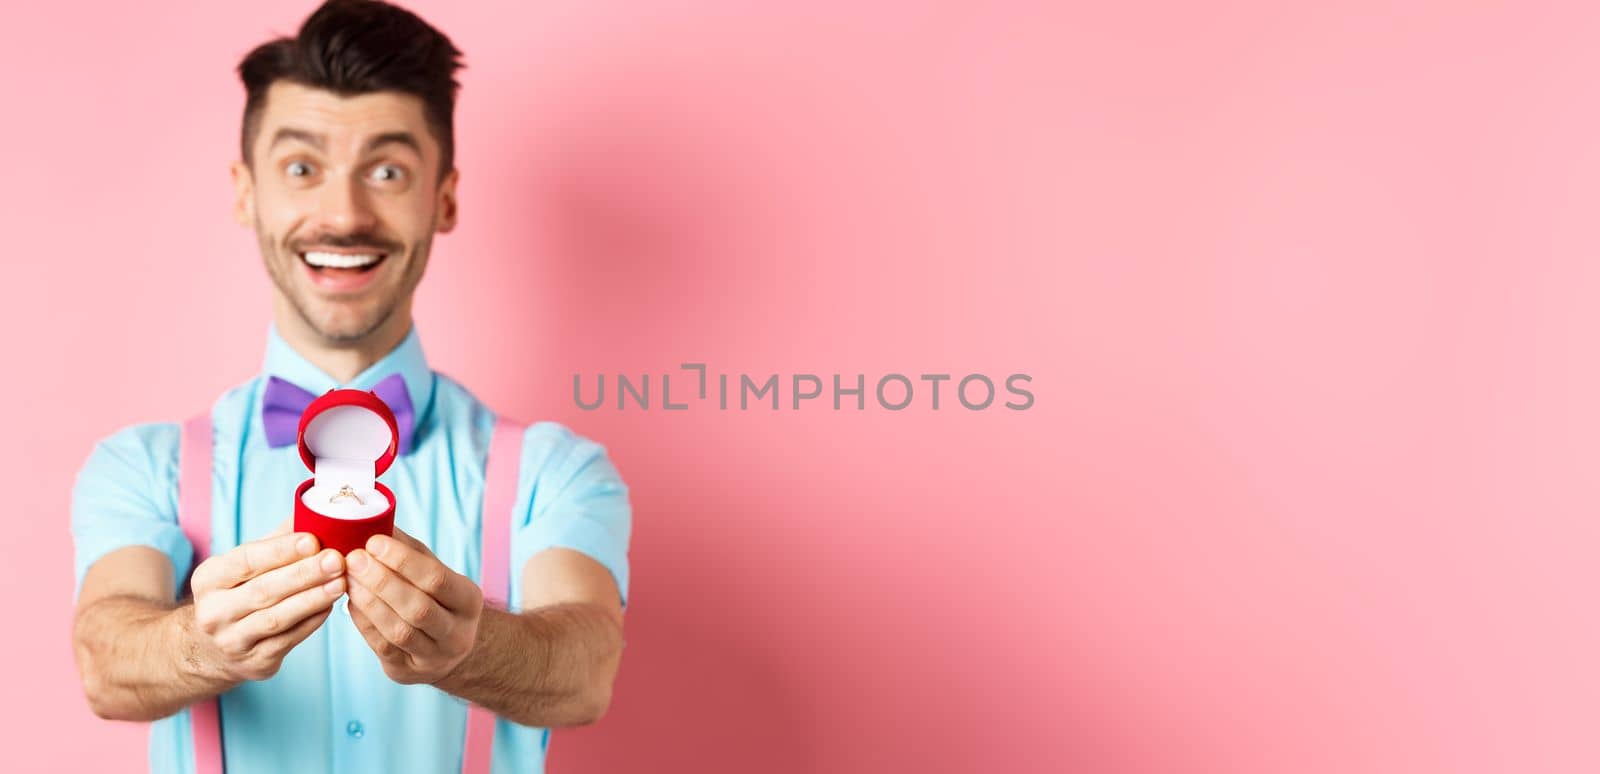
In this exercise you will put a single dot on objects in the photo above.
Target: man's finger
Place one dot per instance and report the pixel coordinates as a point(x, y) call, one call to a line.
point(422, 569)
point(369, 632)
point(283, 643)
point(274, 586)
point(251, 559)
point(286, 615)
point(388, 623)
point(413, 605)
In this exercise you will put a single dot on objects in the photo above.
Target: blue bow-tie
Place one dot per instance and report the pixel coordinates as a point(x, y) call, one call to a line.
point(284, 401)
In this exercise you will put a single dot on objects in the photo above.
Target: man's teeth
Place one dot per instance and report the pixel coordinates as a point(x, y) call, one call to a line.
point(341, 261)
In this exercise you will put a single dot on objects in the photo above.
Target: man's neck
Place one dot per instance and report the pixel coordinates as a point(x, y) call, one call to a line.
point(343, 361)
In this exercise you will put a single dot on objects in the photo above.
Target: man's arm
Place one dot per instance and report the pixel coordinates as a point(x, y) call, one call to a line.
point(551, 665)
point(129, 639)
point(142, 656)
point(555, 662)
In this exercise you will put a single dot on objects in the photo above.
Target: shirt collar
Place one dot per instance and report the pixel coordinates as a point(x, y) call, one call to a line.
point(405, 359)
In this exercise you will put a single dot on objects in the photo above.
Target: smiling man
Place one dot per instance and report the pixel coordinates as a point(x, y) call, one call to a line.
point(251, 649)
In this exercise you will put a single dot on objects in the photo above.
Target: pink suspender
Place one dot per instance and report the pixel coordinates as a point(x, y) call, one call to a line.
point(499, 496)
point(194, 517)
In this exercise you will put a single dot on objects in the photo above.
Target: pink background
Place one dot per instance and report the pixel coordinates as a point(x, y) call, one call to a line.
point(1310, 298)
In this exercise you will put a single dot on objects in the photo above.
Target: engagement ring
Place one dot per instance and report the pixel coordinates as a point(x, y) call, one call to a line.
point(346, 491)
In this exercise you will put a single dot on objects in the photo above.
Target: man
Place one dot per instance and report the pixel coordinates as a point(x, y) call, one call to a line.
point(365, 662)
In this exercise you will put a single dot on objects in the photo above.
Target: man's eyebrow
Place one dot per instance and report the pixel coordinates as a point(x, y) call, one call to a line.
point(401, 138)
point(290, 133)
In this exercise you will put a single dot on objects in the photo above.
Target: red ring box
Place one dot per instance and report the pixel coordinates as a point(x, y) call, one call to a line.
point(346, 437)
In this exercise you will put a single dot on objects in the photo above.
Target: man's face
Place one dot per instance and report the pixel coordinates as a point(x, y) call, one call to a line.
point(345, 196)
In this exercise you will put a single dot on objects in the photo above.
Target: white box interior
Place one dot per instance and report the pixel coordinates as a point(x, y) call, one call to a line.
point(346, 442)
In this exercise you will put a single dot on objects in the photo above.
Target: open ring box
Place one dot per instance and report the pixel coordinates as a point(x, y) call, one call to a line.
point(347, 438)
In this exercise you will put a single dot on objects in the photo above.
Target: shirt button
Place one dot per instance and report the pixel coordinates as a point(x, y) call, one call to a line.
point(354, 729)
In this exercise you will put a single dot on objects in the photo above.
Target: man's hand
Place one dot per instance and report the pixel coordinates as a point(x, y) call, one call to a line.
point(418, 615)
point(256, 602)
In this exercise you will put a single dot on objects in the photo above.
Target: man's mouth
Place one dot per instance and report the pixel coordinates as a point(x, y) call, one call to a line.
point(342, 272)
point(356, 262)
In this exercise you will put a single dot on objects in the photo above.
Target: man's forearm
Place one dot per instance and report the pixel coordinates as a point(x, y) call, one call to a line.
point(138, 660)
point(550, 666)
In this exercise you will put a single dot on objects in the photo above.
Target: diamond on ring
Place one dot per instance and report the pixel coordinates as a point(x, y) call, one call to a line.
point(346, 491)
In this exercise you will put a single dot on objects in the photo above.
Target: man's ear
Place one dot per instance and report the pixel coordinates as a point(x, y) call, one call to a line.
point(244, 189)
point(447, 202)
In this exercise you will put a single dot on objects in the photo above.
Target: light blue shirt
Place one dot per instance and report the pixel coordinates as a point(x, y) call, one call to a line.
point(330, 708)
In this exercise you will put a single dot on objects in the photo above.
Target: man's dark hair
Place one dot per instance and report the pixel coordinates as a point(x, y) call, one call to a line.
point(352, 47)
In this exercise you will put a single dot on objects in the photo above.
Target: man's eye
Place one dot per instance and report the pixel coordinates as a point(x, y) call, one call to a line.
point(386, 173)
point(298, 169)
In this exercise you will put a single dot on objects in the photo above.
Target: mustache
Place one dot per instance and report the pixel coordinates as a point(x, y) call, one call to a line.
point(359, 239)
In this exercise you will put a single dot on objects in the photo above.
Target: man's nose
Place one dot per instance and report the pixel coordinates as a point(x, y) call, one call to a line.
point(343, 206)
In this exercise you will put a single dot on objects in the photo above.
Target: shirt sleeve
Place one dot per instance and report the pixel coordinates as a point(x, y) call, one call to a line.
point(126, 494)
point(571, 496)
